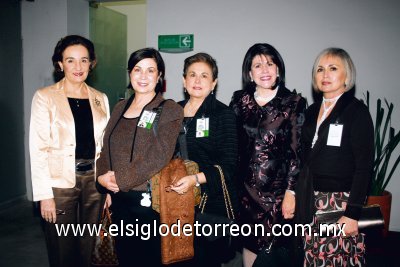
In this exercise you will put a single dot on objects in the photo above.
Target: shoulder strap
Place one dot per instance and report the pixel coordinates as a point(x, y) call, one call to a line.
point(158, 111)
point(182, 136)
point(183, 145)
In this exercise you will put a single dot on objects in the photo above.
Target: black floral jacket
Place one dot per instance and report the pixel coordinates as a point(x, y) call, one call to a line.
point(269, 150)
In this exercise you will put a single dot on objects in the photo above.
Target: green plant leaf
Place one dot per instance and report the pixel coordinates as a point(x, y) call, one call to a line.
point(386, 142)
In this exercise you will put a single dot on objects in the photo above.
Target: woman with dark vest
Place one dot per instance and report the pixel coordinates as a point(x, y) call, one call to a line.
point(211, 138)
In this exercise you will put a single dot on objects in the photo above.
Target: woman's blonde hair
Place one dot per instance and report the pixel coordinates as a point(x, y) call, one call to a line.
point(347, 62)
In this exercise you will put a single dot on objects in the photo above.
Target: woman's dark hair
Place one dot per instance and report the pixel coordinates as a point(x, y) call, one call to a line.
point(201, 57)
point(68, 41)
point(148, 53)
point(266, 50)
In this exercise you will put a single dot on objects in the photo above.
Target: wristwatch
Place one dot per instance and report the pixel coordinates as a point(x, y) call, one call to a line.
point(197, 180)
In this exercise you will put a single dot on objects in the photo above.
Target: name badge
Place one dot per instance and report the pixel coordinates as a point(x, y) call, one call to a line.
point(335, 135)
point(202, 127)
point(147, 119)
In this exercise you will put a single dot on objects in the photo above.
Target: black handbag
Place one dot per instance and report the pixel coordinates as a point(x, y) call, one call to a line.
point(283, 251)
point(213, 219)
point(227, 245)
point(371, 217)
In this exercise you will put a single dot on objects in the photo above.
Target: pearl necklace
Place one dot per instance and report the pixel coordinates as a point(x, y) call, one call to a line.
point(265, 99)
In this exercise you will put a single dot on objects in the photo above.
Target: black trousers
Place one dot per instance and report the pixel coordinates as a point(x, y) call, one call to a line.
point(78, 205)
point(137, 244)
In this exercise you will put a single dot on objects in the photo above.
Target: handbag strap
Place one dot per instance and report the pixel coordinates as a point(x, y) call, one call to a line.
point(183, 144)
point(106, 213)
point(182, 136)
point(227, 198)
point(158, 111)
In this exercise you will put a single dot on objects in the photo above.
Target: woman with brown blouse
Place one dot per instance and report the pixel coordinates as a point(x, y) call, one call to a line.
point(133, 152)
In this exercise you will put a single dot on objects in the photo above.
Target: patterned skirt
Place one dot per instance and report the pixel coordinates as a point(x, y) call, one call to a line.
point(333, 251)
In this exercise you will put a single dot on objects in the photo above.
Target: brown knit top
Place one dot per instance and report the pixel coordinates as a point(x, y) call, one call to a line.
point(136, 157)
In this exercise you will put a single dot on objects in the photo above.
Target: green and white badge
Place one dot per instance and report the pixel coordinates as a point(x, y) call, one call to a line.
point(202, 127)
point(147, 119)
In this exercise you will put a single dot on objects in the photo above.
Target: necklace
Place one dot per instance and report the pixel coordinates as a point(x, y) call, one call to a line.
point(191, 109)
point(264, 99)
point(332, 101)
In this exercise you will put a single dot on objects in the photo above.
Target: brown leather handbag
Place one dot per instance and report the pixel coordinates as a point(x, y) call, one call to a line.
point(175, 208)
point(192, 168)
point(104, 253)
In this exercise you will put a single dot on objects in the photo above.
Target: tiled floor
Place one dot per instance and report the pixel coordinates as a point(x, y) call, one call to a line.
point(21, 237)
point(22, 241)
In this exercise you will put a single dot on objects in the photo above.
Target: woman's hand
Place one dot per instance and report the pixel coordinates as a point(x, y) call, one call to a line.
point(108, 181)
point(48, 210)
point(184, 184)
point(288, 205)
point(350, 225)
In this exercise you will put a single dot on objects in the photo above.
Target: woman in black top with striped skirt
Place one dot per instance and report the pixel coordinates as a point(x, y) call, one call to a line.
point(338, 137)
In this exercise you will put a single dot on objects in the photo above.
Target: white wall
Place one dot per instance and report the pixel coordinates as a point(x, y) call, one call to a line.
point(299, 29)
point(136, 14)
point(78, 17)
point(43, 23)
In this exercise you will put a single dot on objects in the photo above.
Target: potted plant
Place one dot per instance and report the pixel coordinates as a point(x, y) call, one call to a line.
point(386, 141)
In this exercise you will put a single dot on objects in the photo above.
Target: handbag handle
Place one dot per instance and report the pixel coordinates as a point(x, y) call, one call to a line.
point(227, 198)
point(106, 214)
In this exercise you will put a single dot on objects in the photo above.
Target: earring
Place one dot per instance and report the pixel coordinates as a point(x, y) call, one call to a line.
point(62, 70)
point(252, 80)
point(212, 92)
point(184, 89)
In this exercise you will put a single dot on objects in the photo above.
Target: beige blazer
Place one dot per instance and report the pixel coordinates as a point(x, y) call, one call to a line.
point(52, 137)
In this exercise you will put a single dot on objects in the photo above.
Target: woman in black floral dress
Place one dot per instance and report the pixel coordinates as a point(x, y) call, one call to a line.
point(269, 121)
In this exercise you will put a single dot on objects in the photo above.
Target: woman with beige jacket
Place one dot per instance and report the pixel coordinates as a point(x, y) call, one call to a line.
point(65, 138)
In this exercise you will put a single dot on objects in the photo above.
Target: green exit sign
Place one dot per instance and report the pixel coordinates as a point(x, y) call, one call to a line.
point(178, 43)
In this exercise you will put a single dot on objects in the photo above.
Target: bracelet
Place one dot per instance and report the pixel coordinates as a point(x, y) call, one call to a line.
point(197, 180)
